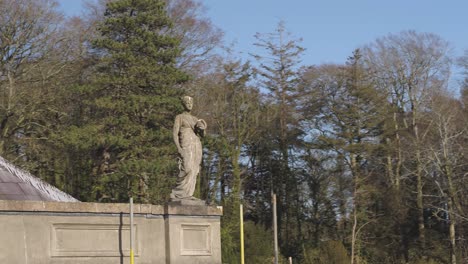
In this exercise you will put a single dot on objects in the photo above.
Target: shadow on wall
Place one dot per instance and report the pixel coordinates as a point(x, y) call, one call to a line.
point(120, 238)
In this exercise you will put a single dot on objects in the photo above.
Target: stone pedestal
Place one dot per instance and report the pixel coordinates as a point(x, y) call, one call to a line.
point(192, 234)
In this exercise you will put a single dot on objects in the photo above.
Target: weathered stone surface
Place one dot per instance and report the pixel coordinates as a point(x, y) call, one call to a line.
point(174, 209)
point(79, 239)
point(114, 208)
point(12, 243)
point(43, 206)
point(187, 202)
point(90, 233)
point(195, 240)
point(186, 132)
point(102, 240)
point(145, 208)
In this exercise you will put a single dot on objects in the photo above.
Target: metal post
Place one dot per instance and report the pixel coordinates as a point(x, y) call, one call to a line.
point(275, 229)
point(242, 233)
point(132, 235)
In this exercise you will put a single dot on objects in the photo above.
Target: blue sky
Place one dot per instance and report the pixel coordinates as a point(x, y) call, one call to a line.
point(332, 29)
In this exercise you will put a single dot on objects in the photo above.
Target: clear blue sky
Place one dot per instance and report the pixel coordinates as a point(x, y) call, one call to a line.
point(332, 29)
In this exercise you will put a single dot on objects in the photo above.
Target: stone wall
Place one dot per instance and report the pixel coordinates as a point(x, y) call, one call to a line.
point(91, 233)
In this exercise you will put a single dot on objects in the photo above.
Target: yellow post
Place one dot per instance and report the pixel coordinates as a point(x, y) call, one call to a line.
point(132, 235)
point(242, 233)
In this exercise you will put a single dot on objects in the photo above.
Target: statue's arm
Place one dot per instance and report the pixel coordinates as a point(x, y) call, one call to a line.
point(201, 125)
point(175, 134)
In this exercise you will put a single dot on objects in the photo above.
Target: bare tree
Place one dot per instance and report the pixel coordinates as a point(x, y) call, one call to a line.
point(446, 153)
point(198, 36)
point(233, 109)
point(408, 66)
point(32, 52)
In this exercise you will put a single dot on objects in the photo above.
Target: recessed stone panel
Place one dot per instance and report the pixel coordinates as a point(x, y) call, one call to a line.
point(195, 240)
point(91, 240)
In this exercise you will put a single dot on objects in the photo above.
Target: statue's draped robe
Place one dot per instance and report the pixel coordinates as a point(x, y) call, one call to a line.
point(189, 166)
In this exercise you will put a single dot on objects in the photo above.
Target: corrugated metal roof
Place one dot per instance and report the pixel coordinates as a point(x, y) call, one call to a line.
point(17, 184)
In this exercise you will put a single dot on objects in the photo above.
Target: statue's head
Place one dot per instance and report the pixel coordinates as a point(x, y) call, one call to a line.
point(187, 101)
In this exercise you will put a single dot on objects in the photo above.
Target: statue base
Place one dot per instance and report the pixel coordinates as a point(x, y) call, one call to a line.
point(193, 232)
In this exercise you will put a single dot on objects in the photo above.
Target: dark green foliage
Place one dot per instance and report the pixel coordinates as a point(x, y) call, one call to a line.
point(278, 73)
point(328, 252)
point(358, 154)
point(259, 244)
point(125, 127)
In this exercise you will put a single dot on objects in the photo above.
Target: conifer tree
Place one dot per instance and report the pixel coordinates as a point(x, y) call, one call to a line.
point(349, 127)
point(130, 104)
point(278, 73)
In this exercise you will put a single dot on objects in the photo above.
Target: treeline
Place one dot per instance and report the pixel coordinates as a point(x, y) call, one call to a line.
point(367, 158)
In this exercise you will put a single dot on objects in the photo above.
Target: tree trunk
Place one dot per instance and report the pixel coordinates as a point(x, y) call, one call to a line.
point(419, 201)
point(453, 256)
point(355, 207)
point(452, 205)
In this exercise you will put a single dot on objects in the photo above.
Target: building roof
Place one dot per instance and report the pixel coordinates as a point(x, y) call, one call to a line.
point(17, 184)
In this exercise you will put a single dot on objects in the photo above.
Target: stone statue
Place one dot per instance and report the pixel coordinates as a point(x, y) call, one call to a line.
point(187, 130)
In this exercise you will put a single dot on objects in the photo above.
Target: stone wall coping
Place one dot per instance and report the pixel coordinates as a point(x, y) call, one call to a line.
point(193, 210)
point(107, 208)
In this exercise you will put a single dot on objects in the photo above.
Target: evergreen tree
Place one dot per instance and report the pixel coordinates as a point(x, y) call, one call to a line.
point(279, 75)
point(129, 104)
point(349, 127)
